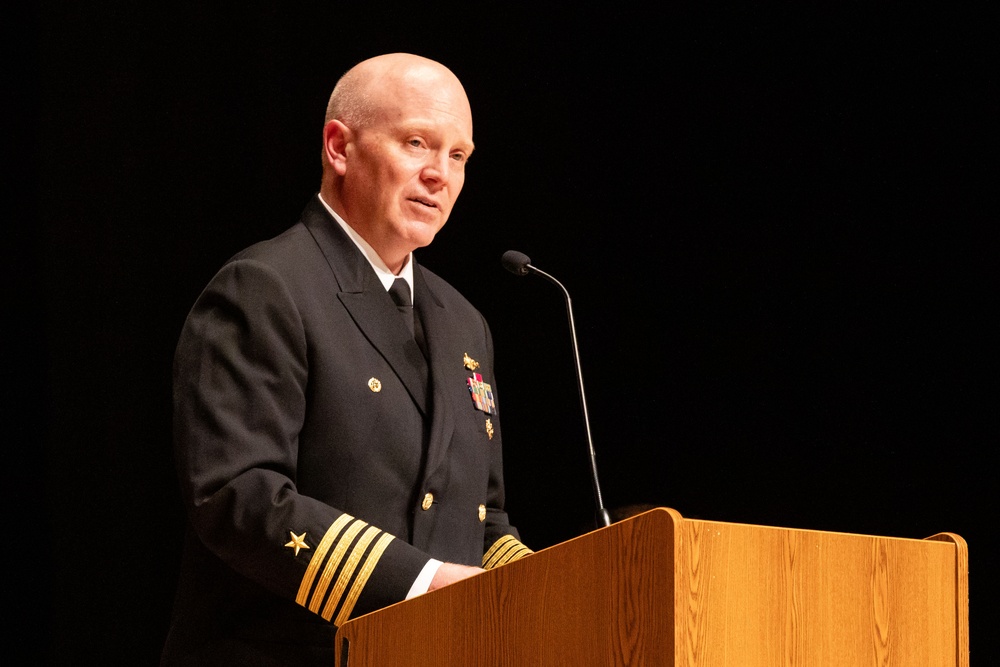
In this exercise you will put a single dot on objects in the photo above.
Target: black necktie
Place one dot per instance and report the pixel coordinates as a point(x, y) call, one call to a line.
point(400, 293)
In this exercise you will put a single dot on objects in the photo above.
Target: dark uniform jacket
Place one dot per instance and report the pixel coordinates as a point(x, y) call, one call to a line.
point(322, 458)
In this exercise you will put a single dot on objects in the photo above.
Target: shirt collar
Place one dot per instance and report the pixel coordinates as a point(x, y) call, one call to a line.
point(381, 270)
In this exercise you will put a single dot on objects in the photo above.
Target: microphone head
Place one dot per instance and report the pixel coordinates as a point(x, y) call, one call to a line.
point(516, 262)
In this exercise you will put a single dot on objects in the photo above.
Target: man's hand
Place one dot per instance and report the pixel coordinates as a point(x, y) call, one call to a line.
point(449, 573)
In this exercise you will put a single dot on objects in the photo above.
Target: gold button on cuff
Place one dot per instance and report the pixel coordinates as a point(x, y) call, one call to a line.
point(428, 501)
point(375, 385)
point(482, 512)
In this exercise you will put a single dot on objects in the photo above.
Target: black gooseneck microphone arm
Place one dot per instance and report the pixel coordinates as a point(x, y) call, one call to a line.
point(520, 265)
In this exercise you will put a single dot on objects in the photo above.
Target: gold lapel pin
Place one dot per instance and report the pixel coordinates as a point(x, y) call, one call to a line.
point(469, 362)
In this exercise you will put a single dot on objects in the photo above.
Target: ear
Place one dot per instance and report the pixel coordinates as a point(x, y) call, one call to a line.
point(336, 136)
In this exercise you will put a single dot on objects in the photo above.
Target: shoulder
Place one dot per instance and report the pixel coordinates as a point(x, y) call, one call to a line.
point(309, 242)
point(294, 259)
point(285, 251)
point(281, 274)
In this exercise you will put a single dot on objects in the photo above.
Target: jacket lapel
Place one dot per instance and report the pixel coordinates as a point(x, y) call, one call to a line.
point(442, 356)
point(368, 303)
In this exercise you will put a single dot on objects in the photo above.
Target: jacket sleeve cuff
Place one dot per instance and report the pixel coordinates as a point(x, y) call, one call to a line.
point(505, 550)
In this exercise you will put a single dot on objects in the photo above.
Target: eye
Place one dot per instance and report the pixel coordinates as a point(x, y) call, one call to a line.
point(459, 157)
point(415, 142)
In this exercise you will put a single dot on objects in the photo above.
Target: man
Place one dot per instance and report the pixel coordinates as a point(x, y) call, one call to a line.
point(333, 459)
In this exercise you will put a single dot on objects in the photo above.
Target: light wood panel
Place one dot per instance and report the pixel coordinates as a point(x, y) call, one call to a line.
point(768, 597)
point(662, 590)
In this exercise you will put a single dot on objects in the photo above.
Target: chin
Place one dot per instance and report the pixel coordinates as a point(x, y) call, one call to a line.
point(421, 234)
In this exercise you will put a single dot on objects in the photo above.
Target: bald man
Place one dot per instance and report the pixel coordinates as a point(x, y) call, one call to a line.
point(335, 414)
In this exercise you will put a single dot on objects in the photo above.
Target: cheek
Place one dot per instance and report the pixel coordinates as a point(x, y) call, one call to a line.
point(400, 177)
point(457, 182)
point(387, 189)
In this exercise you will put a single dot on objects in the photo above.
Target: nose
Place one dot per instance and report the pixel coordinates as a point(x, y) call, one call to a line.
point(437, 170)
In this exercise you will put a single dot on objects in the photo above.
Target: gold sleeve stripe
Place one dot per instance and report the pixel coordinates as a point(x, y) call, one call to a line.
point(499, 555)
point(362, 579)
point(333, 562)
point(514, 554)
point(347, 571)
point(318, 556)
point(503, 551)
point(499, 544)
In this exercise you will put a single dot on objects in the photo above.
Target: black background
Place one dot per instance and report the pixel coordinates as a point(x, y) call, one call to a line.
point(778, 227)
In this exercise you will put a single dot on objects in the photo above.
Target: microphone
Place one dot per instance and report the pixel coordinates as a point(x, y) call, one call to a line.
point(516, 262)
point(520, 265)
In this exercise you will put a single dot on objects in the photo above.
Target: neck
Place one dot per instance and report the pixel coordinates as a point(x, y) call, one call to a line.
point(393, 262)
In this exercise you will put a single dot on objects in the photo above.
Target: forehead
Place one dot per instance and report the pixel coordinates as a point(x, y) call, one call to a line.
point(425, 98)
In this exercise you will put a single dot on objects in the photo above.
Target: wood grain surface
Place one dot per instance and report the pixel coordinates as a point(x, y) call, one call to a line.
point(661, 590)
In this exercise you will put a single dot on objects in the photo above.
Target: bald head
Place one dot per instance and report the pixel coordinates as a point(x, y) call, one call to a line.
point(397, 136)
point(362, 91)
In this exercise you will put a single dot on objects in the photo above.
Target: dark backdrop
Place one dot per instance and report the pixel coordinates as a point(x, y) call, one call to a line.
point(777, 226)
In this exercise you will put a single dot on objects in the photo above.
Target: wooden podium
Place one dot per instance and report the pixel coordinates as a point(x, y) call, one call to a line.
point(662, 590)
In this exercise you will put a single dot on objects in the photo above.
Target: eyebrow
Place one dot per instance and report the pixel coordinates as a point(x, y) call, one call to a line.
point(423, 126)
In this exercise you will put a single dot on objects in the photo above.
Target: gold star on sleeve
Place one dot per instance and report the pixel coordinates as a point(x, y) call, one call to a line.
point(298, 542)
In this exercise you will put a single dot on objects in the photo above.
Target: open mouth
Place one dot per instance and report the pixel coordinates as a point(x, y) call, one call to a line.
point(423, 202)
